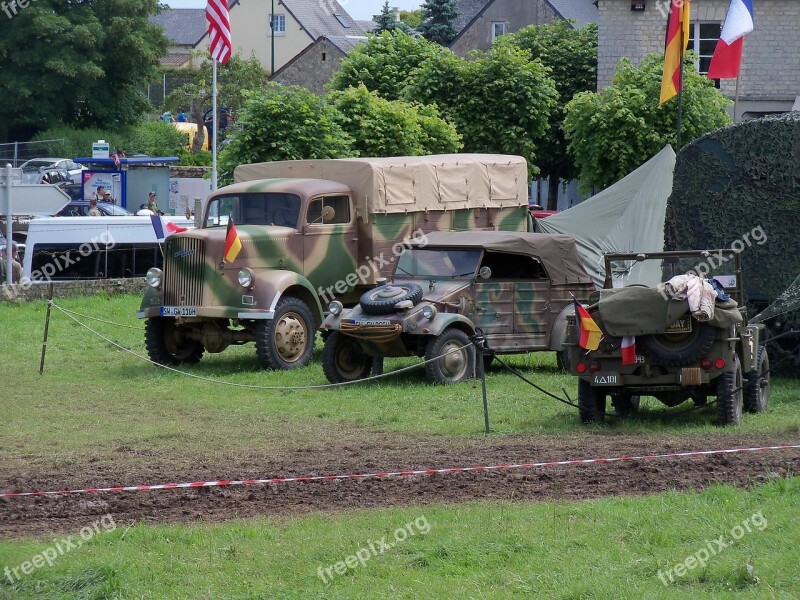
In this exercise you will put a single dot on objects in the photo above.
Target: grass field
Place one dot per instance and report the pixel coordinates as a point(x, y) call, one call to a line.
point(95, 400)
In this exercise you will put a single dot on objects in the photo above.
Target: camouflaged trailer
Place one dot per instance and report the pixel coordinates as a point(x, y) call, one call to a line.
point(515, 288)
point(312, 231)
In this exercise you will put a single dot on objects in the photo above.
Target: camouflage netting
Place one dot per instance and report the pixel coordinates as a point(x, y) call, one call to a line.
point(739, 186)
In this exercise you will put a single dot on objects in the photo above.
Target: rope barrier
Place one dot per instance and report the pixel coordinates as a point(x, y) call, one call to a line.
point(66, 310)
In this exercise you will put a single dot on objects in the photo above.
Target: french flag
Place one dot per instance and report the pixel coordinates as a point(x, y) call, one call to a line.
point(727, 57)
point(164, 228)
point(629, 350)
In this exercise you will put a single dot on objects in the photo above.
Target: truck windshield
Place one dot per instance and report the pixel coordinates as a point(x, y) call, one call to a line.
point(282, 210)
point(443, 262)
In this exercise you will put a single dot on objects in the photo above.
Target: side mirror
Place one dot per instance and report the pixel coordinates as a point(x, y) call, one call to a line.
point(484, 273)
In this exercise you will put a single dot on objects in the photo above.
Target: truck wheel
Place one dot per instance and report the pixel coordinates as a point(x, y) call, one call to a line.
point(457, 365)
point(591, 403)
point(287, 340)
point(382, 299)
point(344, 360)
point(729, 395)
point(167, 345)
point(680, 349)
point(756, 385)
point(562, 361)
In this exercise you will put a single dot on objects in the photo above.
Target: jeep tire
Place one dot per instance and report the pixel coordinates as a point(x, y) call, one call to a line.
point(374, 302)
point(679, 349)
point(453, 365)
point(167, 343)
point(730, 395)
point(287, 340)
point(756, 384)
point(625, 403)
point(591, 403)
point(343, 359)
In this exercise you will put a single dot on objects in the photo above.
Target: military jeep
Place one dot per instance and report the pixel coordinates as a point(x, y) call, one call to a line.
point(516, 288)
point(672, 355)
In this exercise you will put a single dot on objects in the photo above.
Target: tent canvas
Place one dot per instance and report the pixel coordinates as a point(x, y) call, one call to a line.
point(629, 216)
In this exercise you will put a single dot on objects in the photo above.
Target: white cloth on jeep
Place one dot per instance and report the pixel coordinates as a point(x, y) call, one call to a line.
point(700, 294)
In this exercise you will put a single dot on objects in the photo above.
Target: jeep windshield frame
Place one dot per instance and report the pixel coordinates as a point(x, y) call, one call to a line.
point(254, 208)
point(438, 263)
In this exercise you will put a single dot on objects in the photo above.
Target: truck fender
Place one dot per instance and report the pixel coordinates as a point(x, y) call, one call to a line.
point(558, 334)
point(445, 320)
point(270, 286)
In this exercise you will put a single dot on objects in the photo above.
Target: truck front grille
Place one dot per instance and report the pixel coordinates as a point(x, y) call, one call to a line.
point(184, 265)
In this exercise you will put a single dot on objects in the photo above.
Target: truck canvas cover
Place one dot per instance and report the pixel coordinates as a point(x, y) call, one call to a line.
point(403, 184)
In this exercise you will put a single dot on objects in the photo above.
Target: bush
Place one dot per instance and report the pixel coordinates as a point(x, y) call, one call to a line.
point(154, 138)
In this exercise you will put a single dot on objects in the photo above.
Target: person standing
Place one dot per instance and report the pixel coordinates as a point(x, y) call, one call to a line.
point(16, 268)
point(93, 210)
point(152, 204)
point(100, 194)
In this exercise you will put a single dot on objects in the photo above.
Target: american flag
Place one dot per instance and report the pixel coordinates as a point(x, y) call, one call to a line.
point(219, 30)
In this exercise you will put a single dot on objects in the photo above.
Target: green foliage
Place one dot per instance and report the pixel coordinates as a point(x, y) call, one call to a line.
point(412, 18)
point(82, 63)
point(73, 142)
point(385, 64)
point(381, 127)
point(284, 123)
point(499, 101)
point(437, 21)
point(571, 56)
point(386, 21)
point(195, 159)
point(612, 132)
point(154, 138)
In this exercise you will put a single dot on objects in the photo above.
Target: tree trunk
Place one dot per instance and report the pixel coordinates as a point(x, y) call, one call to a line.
point(200, 136)
point(552, 192)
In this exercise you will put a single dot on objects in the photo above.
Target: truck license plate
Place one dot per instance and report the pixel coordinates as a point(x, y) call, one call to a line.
point(682, 325)
point(606, 379)
point(370, 323)
point(178, 311)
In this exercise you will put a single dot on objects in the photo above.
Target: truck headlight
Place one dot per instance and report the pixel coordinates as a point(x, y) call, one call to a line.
point(429, 312)
point(245, 278)
point(154, 277)
point(335, 308)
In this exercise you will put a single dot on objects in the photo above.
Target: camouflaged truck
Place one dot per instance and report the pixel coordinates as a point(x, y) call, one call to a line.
point(312, 231)
point(516, 288)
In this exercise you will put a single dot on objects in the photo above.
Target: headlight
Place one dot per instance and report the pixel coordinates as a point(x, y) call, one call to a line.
point(154, 277)
point(429, 311)
point(245, 278)
point(335, 308)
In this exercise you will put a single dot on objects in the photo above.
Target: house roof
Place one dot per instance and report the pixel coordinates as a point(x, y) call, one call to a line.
point(467, 11)
point(322, 18)
point(182, 26)
point(582, 11)
point(345, 43)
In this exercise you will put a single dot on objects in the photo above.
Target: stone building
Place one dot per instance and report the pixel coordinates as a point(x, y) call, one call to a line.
point(314, 66)
point(770, 74)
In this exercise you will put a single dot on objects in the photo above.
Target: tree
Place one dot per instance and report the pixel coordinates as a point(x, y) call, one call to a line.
point(612, 132)
point(499, 101)
point(387, 21)
point(82, 63)
point(571, 56)
point(384, 64)
point(284, 123)
point(412, 18)
point(233, 79)
point(437, 21)
point(381, 127)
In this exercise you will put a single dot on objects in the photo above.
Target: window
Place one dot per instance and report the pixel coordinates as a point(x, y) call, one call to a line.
point(342, 20)
point(340, 206)
point(254, 209)
point(703, 42)
point(498, 29)
point(513, 266)
point(279, 23)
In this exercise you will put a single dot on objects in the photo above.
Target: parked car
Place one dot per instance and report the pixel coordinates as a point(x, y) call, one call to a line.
point(80, 208)
point(516, 288)
point(50, 175)
point(70, 166)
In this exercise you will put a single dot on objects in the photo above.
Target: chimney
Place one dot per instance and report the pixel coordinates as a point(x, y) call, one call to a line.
point(396, 13)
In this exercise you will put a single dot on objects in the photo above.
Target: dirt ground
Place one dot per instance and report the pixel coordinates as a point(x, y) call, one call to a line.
point(47, 515)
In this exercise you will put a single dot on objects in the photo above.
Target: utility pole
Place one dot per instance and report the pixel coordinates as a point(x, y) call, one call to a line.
point(272, 36)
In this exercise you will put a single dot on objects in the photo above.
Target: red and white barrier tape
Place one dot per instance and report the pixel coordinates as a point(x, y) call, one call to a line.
point(388, 474)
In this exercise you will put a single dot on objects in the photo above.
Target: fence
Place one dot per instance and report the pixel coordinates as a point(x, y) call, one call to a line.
point(17, 153)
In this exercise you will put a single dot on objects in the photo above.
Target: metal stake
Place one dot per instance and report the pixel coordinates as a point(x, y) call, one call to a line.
point(46, 327)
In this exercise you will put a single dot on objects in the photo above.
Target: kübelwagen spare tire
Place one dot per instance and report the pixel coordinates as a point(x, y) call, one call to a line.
point(383, 299)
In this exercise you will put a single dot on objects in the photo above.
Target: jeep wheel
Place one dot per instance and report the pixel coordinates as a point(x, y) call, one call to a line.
point(382, 299)
point(344, 360)
point(625, 404)
point(591, 403)
point(167, 343)
point(756, 386)
point(287, 340)
point(562, 361)
point(680, 349)
point(729, 395)
point(456, 360)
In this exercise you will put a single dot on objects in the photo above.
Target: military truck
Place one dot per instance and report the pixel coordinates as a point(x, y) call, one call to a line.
point(673, 354)
point(515, 288)
point(312, 231)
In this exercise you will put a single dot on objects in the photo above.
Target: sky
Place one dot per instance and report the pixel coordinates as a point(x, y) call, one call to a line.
point(358, 9)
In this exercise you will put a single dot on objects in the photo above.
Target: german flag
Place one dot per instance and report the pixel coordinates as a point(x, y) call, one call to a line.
point(233, 244)
point(677, 28)
point(589, 333)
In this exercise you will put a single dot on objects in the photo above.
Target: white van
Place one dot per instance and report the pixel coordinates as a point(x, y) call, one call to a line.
point(60, 249)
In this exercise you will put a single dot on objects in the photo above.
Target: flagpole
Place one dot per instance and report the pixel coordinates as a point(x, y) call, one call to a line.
point(680, 89)
point(214, 128)
point(736, 94)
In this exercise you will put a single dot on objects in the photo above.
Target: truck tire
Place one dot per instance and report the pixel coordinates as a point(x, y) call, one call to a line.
point(756, 384)
point(344, 360)
point(382, 299)
point(591, 403)
point(166, 344)
point(730, 394)
point(456, 365)
point(679, 349)
point(287, 340)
